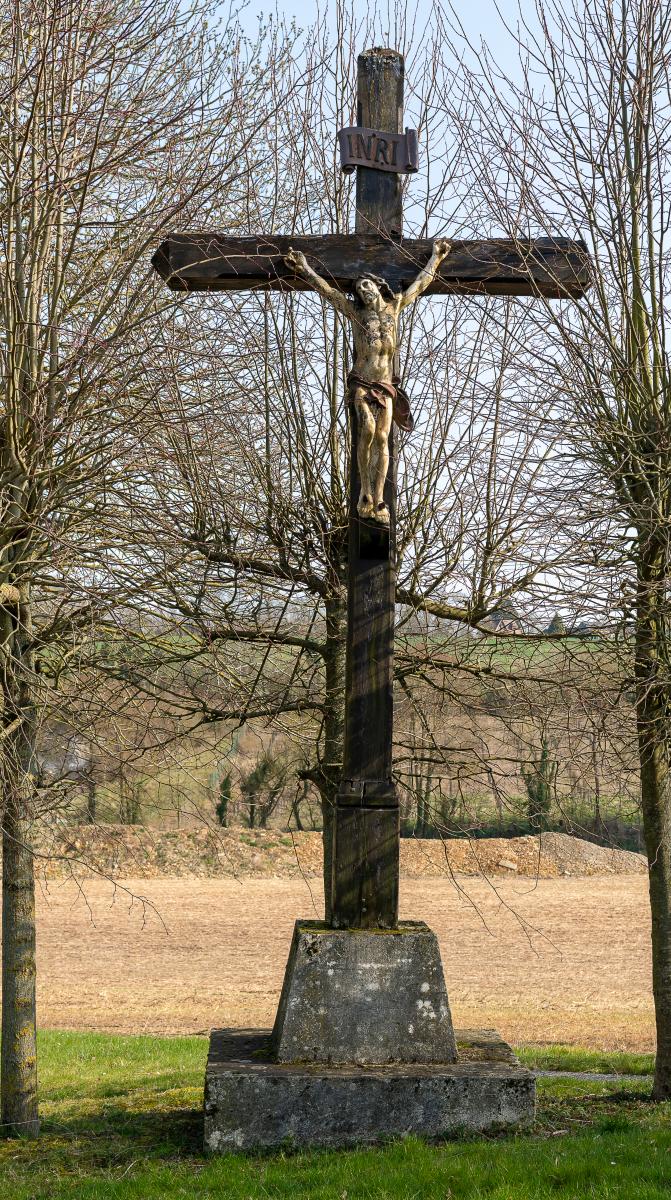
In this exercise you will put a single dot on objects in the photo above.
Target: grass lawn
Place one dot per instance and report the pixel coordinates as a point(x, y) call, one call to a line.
point(121, 1119)
point(573, 1058)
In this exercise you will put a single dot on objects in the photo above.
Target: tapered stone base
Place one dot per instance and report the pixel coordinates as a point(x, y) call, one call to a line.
point(252, 1102)
point(364, 996)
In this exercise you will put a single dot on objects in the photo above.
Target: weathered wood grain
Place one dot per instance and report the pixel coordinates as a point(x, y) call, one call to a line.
point(371, 598)
point(367, 793)
point(198, 262)
point(366, 845)
point(379, 198)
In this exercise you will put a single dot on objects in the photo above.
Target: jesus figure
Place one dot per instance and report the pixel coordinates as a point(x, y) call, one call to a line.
point(372, 387)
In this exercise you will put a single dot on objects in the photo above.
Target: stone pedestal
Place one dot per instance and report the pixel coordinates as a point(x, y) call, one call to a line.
point(364, 996)
point(254, 1103)
point(362, 1050)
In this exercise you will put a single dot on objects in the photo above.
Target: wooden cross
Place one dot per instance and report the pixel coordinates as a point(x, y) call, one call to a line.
point(366, 828)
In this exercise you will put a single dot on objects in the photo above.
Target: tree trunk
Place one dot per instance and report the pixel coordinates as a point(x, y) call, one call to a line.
point(598, 822)
point(296, 808)
point(91, 805)
point(18, 1062)
point(654, 739)
point(334, 733)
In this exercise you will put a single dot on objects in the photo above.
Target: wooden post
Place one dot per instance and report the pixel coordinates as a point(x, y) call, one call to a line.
point(366, 827)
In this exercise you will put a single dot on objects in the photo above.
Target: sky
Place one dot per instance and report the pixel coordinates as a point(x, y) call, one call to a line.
point(472, 22)
point(479, 18)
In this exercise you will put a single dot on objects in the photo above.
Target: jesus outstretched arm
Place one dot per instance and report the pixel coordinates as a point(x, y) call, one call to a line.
point(299, 263)
point(441, 249)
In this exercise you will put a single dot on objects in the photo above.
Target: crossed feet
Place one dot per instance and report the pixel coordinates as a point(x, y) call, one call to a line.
point(370, 511)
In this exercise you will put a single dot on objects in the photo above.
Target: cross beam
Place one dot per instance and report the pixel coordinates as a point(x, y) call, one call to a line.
point(206, 262)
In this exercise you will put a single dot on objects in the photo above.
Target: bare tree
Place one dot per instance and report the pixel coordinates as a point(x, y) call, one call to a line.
point(118, 120)
point(578, 139)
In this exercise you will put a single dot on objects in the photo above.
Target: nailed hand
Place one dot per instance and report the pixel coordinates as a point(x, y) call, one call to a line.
point(296, 260)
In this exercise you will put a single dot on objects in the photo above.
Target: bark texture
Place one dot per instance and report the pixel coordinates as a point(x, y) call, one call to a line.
point(652, 702)
point(18, 1060)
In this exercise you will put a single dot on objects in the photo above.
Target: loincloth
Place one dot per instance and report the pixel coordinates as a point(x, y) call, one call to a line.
point(379, 394)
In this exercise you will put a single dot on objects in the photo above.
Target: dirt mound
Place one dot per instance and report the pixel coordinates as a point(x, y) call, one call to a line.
point(122, 851)
point(545, 856)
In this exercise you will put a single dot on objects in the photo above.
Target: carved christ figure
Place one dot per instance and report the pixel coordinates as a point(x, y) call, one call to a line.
point(372, 386)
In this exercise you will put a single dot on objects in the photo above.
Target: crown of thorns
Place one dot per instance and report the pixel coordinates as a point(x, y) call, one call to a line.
point(381, 283)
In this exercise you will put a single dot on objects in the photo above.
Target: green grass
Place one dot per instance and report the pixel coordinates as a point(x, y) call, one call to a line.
point(573, 1058)
point(121, 1120)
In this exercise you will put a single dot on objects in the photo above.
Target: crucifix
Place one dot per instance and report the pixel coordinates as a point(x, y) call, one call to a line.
point(382, 271)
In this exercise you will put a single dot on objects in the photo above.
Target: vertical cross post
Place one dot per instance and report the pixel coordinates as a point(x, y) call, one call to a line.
point(366, 827)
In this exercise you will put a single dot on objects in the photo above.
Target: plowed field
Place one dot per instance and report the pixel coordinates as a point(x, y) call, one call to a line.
point(563, 959)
